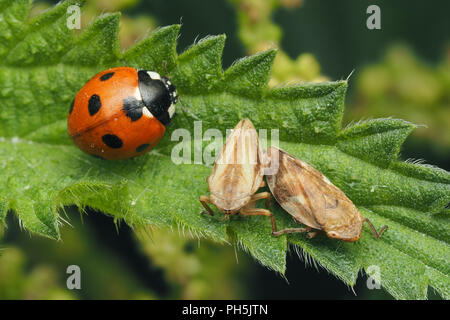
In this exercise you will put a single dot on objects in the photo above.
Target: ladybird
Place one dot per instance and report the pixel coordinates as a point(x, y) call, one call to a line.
point(121, 113)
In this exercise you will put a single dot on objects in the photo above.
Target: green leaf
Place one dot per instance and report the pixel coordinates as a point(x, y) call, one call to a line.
point(43, 67)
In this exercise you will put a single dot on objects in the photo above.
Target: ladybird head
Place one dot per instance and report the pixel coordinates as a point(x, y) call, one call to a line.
point(158, 95)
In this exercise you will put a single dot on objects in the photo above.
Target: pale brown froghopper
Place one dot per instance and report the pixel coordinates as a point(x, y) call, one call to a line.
point(237, 175)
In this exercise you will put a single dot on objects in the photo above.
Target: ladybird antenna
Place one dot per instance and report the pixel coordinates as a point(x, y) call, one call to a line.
point(374, 232)
point(124, 62)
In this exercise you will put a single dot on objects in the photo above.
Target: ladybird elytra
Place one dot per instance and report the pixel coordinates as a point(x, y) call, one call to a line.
point(121, 113)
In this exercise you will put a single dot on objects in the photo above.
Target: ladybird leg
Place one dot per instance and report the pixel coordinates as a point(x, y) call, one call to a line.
point(293, 230)
point(260, 212)
point(263, 184)
point(204, 200)
point(372, 228)
point(261, 195)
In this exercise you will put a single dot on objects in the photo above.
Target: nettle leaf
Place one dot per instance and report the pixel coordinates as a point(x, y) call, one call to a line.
point(43, 66)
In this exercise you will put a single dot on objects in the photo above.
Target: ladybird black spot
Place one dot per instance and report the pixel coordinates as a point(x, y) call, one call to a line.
point(71, 106)
point(112, 141)
point(142, 147)
point(133, 108)
point(106, 76)
point(94, 104)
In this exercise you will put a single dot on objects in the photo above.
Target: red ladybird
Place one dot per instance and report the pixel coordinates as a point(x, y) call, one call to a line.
point(121, 113)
